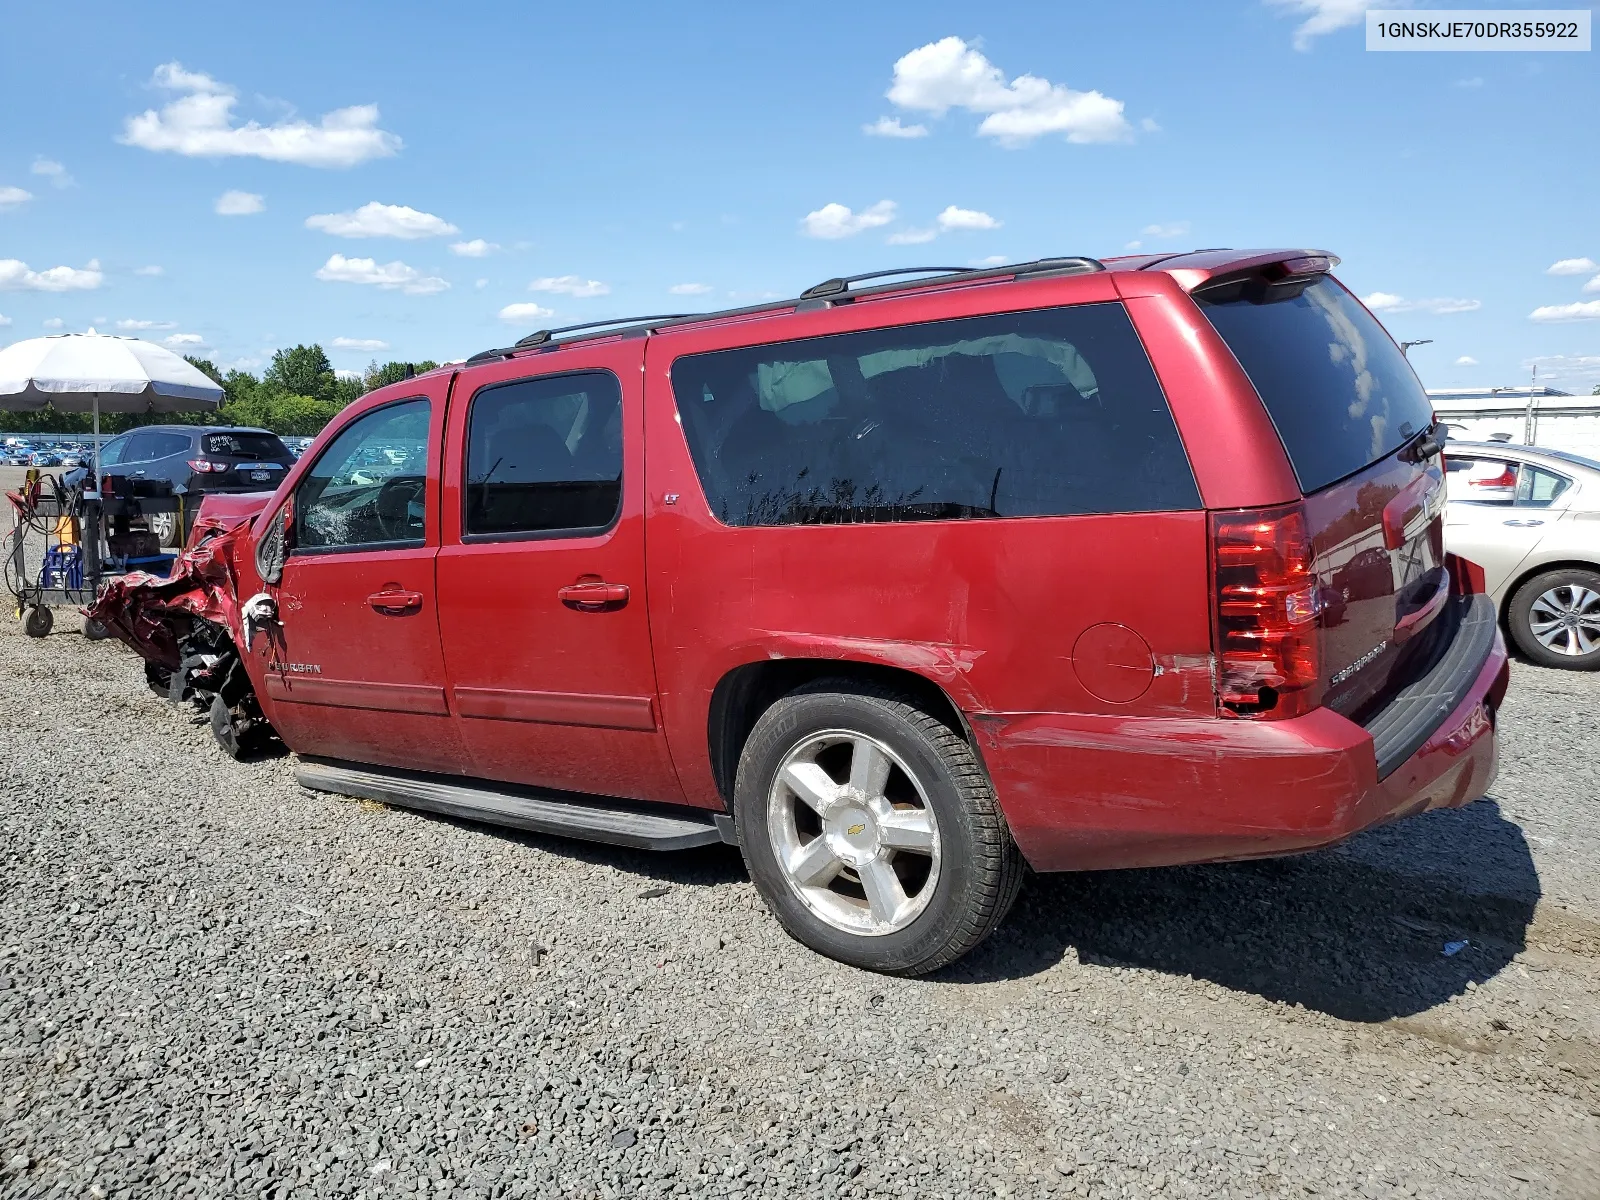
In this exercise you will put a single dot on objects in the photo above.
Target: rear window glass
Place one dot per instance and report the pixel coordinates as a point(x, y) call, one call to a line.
point(246, 445)
point(1337, 387)
point(1051, 412)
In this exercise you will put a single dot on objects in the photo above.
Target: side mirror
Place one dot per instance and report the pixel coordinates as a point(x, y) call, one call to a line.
point(272, 547)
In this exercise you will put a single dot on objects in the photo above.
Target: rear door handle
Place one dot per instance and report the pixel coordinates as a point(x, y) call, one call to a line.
point(395, 601)
point(1521, 524)
point(593, 594)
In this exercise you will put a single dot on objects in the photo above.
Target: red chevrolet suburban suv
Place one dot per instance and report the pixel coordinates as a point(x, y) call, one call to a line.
point(901, 586)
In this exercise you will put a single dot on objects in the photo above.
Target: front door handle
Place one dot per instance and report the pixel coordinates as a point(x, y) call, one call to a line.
point(1523, 524)
point(593, 594)
point(395, 602)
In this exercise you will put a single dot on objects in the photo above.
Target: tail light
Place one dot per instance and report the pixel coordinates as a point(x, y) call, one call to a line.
point(1267, 603)
point(203, 466)
point(1506, 479)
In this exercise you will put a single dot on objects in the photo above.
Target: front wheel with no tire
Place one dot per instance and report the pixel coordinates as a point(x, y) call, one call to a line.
point(871, 829)
point(1554, 618)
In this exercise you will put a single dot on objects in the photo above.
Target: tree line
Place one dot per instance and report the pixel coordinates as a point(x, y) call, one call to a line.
point(297, 394)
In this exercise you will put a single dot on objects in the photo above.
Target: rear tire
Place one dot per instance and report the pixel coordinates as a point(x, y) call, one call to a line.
point(38, 621)
point(1554, 615)
point(901, 864)
point(168, 528)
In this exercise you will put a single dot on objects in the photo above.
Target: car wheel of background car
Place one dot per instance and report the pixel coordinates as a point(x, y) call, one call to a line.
point(38, 621)
point(167, 527)
point(1555, 619)
point(871, 829)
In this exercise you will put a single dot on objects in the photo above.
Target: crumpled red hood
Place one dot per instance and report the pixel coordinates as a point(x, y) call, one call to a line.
point(150, 614)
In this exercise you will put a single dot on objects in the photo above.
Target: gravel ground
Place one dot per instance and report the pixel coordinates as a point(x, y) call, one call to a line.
point(213, 982)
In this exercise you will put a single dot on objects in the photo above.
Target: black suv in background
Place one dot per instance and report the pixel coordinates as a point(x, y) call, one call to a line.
point(194, 459)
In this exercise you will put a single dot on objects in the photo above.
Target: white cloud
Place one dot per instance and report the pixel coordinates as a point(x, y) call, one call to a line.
point(341, 373)
point(1133, 245)
point(149, 271)
point(1466, 360)
point(382, 220)
point(345, 343)
point(953, 218)
point(912, 237)
point(1148, 124)
point(1172, 229)
point(1572, 266)
point(53, 323)
point(1324, 16)
point(1593, 285)
point(238, 204)
point(476, 248)
point(16, 277)
point(1475, 81)
point(1583, 310)
point(1578, 372)
point(480, 284)
point(521, 314)
point(570, 285)
point(11, 197)
point(950, 74)
point(994, 260)
point(53, 171)
point(394, 276)
point(4, 320)
point(179, 340)
point(890, 127)
point(200, 124)
point(133, 326)
point(837, 221)
point(1438, 306)
point(689, 289)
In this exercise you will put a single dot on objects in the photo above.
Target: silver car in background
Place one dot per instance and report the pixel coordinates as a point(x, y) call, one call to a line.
point(1531, 519)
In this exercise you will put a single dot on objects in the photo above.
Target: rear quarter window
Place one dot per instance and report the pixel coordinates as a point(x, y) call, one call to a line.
point(1050, 412)
point(1339, 391)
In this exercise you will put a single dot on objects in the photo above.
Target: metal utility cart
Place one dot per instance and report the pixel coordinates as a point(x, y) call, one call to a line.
point(95, 373)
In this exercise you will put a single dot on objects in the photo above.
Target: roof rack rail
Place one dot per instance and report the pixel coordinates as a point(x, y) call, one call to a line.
point(542, 336)
point(840, 283)
point(829, 292)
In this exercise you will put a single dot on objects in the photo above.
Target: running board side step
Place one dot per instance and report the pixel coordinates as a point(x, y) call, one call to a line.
point(565, 814)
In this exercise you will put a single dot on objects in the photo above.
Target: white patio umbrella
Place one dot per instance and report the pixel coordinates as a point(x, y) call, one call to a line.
point(93, 372)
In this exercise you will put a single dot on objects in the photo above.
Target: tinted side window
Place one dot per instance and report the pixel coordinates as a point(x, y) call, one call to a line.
point(369, 486)
point(544, 455)
point(142, 447)
point(1044, 413)
point(168, 444)
point(111, 453)
point(1337, 387)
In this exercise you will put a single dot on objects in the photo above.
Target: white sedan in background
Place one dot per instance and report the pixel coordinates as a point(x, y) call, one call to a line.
point(1531, 519)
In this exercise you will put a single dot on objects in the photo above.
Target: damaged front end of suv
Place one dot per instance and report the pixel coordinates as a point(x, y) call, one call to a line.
point(192, 629)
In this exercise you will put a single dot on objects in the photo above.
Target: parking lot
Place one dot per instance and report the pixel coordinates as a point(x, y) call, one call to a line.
point(214, 982)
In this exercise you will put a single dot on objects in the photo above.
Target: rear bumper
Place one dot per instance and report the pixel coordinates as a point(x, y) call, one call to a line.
point(1097, 792)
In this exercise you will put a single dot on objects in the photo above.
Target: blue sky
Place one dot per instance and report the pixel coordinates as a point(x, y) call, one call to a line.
point(600, 156)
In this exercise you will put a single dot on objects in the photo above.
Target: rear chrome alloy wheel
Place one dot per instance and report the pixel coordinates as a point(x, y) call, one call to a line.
point(1566, 619)
point(854, 833)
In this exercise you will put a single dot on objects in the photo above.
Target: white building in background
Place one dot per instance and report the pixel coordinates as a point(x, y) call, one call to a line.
point(1537, 416)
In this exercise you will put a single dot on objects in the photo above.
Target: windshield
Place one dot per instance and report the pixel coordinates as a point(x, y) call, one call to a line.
point(1337, 387)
